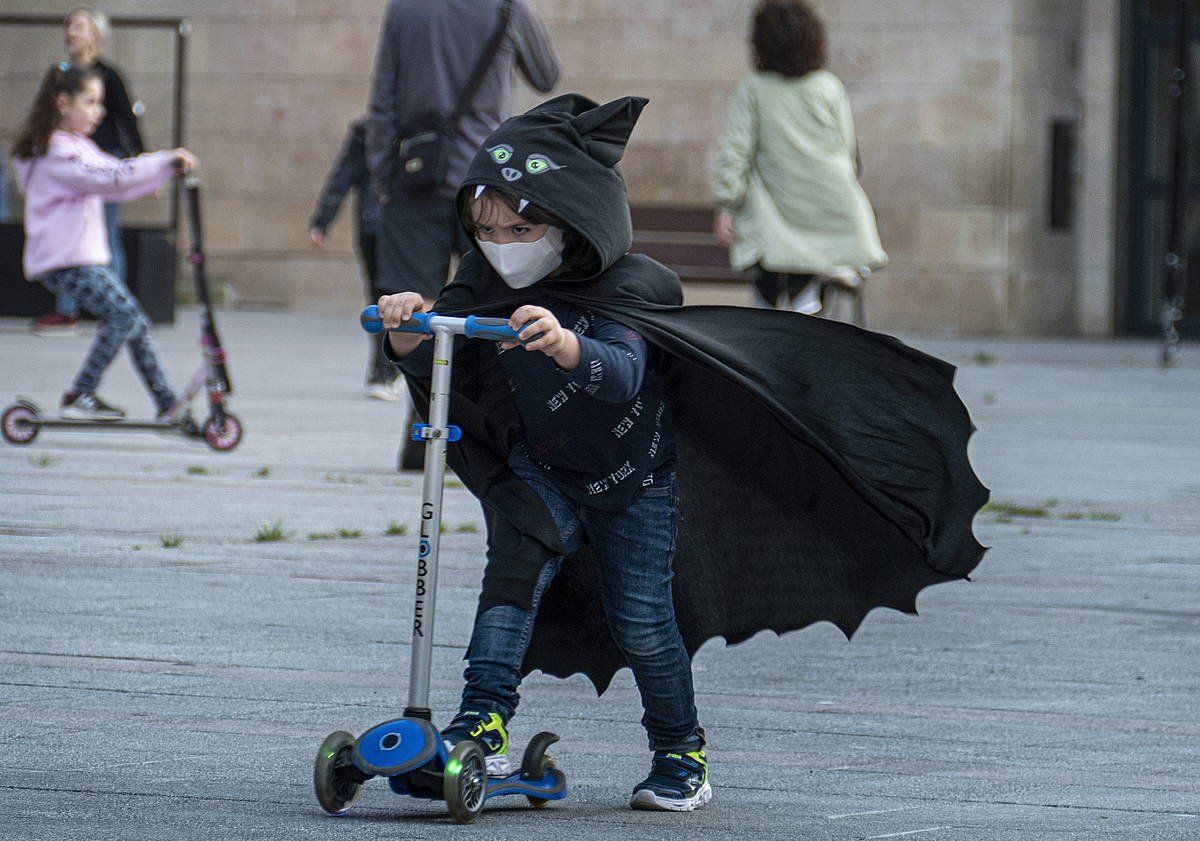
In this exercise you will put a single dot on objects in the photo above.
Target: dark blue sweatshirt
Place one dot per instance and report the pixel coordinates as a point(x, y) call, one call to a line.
point(602, 430)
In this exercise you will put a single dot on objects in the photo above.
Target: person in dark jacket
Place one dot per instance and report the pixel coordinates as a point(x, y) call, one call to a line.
point(427, 50)
point(425, 58)
point(85, 32)
point(349, 172)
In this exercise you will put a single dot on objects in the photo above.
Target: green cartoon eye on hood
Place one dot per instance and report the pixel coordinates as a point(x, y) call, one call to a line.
point(537, 164)
point(501, 154)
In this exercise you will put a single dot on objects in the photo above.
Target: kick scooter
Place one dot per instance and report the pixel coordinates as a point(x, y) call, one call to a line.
point(409, 751)
point(23, 420)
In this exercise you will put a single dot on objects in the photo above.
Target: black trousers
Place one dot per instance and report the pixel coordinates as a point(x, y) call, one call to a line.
point(773, 286)
point(417, 236)
point(378, 369)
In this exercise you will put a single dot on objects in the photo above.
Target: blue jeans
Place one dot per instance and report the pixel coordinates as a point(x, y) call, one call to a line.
point(64, 302)
point(121, 320)
point(634, 549)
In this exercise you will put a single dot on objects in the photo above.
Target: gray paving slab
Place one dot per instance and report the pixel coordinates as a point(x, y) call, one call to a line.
point(156, 692)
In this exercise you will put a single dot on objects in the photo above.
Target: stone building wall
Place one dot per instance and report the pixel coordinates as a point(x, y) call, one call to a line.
point(952, 98)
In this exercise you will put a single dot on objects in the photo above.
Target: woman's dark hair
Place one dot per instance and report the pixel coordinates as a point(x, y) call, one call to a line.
point(788, 38)
point(578, 255)
point(61, 78)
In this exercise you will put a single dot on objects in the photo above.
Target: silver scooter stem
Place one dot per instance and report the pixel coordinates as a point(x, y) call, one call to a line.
point(431, 519)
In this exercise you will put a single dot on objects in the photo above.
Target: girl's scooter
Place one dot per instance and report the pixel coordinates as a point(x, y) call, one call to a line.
point(409, 751)
point(23, 420)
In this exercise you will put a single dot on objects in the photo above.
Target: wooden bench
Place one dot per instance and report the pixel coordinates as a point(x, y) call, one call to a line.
point(681, 237)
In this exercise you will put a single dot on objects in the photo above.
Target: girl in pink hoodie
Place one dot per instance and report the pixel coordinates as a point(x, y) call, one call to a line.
point(66, 179)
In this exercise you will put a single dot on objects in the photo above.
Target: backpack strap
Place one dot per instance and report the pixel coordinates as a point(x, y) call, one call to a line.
point(481, 67)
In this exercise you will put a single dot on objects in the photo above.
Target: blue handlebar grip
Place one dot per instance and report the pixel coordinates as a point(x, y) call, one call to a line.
point(418, 323)
point(370, 320)
point(493, 329)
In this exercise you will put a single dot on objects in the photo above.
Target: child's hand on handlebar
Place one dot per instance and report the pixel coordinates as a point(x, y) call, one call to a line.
point(184, 160)
point(394, 310)
point(539, 330)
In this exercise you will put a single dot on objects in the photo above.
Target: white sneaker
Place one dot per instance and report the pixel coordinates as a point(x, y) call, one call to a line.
point(88, 407)
point(808, 302)
point(498, 764)
point(849, 278)
point(382, 391)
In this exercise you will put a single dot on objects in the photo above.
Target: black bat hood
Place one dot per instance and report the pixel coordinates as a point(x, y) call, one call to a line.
point(562, 156)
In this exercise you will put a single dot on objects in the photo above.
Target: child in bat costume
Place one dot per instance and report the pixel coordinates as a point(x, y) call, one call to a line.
point(655, 475)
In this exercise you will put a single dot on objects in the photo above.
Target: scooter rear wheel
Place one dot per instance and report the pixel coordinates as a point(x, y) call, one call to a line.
point(16, 424)
point(226, 438)
point(541, 802)
point(335, 794)
point(535, 764)
point(464, 782)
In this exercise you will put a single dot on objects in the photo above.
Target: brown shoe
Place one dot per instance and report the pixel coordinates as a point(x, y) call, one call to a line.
point(55, 324)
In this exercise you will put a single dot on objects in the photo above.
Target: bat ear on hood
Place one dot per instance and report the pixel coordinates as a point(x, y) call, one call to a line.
point(605, 129)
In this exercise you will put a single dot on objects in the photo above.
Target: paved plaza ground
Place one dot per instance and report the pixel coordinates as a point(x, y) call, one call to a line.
point(165, 675)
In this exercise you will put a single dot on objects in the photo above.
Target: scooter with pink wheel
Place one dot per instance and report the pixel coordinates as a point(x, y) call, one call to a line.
point(221, 430)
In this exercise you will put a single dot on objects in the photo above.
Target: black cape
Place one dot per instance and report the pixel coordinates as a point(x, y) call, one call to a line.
point(822, 469)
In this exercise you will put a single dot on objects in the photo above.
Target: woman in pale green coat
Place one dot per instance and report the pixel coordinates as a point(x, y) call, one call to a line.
point(789, 205)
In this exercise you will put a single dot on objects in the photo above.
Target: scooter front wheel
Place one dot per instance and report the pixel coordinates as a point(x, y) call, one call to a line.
point(335, 793)
point(464, 782)
point(223, 438)
point(17, 425)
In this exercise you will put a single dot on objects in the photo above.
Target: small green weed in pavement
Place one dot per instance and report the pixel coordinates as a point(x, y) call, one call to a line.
point(1004, 512)
point(171, 541)
point(344, 534)
point(343, 479)
point(42, 461)
point(984, 358)
point(1008, 509)
point(261, 473)
point(466, 528)
point(197, 470)
point(271, 532)
point(395, 529)
point(1099, 516)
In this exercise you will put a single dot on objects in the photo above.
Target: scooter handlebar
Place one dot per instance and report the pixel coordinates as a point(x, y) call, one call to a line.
point(473, 326)
point(372, 323)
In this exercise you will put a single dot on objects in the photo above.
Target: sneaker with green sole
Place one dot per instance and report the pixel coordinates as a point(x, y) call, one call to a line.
point(488, 730)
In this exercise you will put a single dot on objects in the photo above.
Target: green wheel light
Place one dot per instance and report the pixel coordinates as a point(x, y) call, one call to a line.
point(454, 766)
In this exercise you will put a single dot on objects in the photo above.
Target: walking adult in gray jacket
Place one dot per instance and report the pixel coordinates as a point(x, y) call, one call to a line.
point(427, 51)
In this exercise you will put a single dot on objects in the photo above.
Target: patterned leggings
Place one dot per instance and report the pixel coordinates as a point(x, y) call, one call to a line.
point(98, 290)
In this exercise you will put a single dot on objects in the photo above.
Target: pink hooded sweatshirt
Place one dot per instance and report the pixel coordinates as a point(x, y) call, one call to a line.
point(65, 191)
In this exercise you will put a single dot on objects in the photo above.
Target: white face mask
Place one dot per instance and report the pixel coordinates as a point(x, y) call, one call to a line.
point(523, 264)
